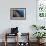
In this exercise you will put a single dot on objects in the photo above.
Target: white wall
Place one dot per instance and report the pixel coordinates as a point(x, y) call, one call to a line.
point(24, 25)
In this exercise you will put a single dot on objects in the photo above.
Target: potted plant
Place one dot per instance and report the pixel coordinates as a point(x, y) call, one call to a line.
point(39, 35)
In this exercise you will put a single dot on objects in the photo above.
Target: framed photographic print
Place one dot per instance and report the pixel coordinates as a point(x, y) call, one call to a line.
point(17, 13)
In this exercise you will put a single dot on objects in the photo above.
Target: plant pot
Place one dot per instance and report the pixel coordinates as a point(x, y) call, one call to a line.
point(40, 41)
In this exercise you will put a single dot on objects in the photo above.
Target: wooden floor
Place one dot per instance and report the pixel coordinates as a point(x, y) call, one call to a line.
point(13, 44)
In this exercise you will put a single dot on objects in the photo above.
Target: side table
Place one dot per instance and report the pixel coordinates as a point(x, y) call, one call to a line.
point(8, 34)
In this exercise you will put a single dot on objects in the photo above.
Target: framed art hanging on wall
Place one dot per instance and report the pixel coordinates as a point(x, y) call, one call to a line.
point(17, 13)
